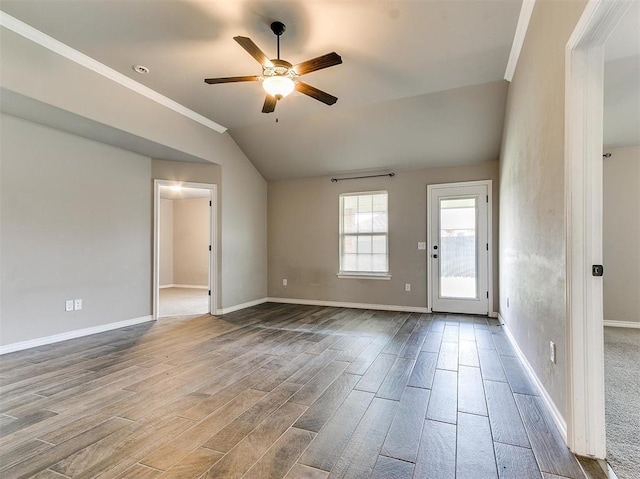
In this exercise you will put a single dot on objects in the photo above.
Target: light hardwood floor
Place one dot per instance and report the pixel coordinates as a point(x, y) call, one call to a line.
point(279, 391)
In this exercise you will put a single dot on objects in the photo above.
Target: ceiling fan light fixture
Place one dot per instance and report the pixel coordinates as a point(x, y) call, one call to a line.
point(278, 86)
point(279, 77)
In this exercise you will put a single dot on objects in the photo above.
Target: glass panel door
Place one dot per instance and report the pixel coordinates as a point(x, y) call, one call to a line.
point(459, 248)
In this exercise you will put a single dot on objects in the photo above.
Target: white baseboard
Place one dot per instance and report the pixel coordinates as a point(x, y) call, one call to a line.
point(493, 314)
point(559, 421)
point(238, 307)
point(338, 304)
point(621, 324)
point(33, 343)
point(188, 286)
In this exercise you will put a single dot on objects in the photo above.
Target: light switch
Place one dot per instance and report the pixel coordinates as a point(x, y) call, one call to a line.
point(68, 305)
point(77, 304)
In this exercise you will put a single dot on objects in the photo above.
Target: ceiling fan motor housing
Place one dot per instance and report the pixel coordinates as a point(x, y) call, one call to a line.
point(278, 28)
point(279, 68)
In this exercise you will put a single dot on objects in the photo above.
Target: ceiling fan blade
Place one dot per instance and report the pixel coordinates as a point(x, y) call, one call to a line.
point(254, 50)
point(325, 61)
point(313, 92)
point(269, 104)
point(212, 81)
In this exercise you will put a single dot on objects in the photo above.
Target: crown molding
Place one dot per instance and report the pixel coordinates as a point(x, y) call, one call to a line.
point(518, 38)
point(44, 40)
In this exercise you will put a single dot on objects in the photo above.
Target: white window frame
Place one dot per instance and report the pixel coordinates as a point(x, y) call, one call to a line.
point(361, 274)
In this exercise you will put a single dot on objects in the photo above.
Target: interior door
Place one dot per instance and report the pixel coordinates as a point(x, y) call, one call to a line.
point(459, 248)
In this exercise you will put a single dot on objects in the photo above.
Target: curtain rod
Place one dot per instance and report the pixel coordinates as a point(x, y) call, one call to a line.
point(335, 180)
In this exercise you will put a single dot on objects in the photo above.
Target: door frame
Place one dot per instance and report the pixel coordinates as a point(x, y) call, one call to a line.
point(213, 198)
point(584, 87)
point(489, 186)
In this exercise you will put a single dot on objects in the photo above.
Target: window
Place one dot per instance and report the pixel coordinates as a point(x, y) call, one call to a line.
point(364, 245)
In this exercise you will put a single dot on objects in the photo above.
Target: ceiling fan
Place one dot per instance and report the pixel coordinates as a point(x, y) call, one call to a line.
point(279, 77)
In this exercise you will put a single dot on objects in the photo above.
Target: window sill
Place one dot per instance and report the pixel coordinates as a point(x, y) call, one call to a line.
point(379, 276)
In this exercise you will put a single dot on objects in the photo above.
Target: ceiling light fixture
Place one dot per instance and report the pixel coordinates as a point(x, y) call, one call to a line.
point(279, 77)
point(140, 69)
point(278, 86)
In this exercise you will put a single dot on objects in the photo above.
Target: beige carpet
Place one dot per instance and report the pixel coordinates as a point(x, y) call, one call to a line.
point(183, 302)
point(622, 400)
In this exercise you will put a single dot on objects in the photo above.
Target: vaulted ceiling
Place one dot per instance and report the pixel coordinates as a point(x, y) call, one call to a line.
point(421, 82)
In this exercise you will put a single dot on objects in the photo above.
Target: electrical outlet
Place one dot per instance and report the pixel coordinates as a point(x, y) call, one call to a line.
point(422, 245)
point(77, 304)
point(407, 287)
point(284, 282)
point(552, 351)
point(68, 305)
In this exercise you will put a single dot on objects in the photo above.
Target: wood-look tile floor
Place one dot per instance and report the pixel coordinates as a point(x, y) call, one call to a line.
point(279, 391)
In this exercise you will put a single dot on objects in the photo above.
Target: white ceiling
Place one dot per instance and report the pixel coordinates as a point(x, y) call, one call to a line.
point(421, 83)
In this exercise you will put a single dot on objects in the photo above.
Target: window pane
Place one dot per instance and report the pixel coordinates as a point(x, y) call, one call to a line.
point(458, 203)
point(365, 223)
point(379, 263)
point(365, 204)
point(350, 204)
point(364, 244)
point(379, 222)
point(458, 270)
point(350, 224)
point(364, 262)
point(379, 245)
point(380, 203)
point(350, 245)
point(349, 262)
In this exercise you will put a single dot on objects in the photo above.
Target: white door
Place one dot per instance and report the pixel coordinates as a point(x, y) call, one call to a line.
point(459, 248)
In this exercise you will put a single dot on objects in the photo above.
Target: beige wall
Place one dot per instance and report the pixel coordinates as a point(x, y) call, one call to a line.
point(244, 238)
point(532, 256)
point(621, 248)
point(303, 236)
point(75, 223)
point(166, 242)
point(191, 241)
point(81, 92)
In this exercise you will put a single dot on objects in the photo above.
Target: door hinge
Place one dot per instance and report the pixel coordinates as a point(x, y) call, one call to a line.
point(487, 294)
point(209, 247)
point(487, 246)
point(487, 198)
point(209, 292)
point(210, 203)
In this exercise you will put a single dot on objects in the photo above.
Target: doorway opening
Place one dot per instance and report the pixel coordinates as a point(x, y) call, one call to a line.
point(459, 260)
point(184, 252)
